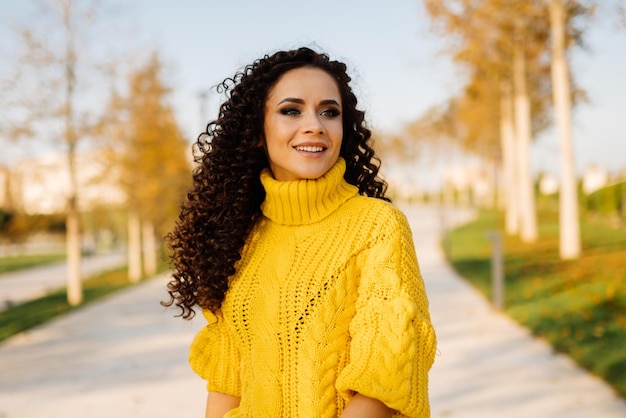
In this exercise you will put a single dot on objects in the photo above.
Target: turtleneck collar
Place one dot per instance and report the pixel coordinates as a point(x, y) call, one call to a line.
point(302, 202)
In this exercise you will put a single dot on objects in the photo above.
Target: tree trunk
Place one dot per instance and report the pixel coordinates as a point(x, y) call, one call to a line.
point(569, 224)
point(74, 280)
point(134, 247)
point(528, 217)
point(149, 248)
point(464, 196)
point(507, 139)
point(74, 283)
point(490, 199)
point(449, 195)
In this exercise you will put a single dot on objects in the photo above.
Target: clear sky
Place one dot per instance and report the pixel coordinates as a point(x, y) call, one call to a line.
point(386, 45)
point(398, 65)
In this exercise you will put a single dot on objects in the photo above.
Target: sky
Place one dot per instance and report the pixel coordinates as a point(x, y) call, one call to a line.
point(399, 66)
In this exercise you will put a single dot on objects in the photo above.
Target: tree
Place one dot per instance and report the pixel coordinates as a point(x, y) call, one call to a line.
point(507, 144)
point(147, 154)
point(523, 139)
point(47, 89)
point(505, 43)
point(569, 231)
point(494, 41)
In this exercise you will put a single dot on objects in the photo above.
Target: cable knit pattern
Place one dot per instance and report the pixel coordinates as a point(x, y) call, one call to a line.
point(327, 301)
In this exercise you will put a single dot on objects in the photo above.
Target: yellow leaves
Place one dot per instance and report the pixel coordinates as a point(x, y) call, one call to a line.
point(483, 34)
point(598, 331)
point(148, 149)
point(528, 293)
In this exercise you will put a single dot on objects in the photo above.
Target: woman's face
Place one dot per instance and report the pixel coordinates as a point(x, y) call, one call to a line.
point(303, 124)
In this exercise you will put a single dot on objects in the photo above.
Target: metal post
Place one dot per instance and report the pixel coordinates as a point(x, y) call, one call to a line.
point(497, 270)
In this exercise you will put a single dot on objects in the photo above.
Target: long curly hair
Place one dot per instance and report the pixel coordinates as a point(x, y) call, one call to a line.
point(224, 200)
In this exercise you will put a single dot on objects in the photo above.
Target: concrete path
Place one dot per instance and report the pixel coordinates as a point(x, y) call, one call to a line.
point(24, 285)
point(125, 356)
point(488, 365)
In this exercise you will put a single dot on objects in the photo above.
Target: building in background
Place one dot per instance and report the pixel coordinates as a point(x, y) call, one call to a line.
point(594, 178)
point(41, 185)
point(470, 185)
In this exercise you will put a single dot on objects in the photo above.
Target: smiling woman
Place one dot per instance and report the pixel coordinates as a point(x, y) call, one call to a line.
point(305, 272)
point(303, 125)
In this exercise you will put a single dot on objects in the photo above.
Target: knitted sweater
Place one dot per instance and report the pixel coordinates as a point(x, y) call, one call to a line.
point(327, 301)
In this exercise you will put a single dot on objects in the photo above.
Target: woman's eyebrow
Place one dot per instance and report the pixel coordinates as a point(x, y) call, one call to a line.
point(300, 101)
point(330, 102)
point(292, 100)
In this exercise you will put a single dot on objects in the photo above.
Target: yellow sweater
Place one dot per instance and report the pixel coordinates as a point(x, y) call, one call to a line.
point(327, 301)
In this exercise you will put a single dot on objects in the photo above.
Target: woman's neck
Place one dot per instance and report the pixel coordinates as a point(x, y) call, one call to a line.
point(306, 201)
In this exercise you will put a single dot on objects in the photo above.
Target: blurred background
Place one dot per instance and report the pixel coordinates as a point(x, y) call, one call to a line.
point(513, 107)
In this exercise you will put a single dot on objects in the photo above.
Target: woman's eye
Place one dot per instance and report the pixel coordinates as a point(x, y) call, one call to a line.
point(289, 111)
point(331, 113)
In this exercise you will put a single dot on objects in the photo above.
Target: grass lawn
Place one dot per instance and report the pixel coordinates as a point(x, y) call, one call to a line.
point(24, 261)
point(579, 306)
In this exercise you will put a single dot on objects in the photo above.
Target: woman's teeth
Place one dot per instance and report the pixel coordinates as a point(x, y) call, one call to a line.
point(310, 149)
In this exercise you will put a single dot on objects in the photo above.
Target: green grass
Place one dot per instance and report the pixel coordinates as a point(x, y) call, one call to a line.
point(20, 262)
point(579, 306)
point(36, 312)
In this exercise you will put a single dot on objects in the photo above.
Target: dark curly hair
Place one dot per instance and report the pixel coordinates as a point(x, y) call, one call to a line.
point(224, 200)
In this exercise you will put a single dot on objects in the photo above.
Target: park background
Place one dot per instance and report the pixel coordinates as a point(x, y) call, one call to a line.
point(145, 73)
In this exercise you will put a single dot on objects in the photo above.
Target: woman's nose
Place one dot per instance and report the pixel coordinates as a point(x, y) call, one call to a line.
point(313, 123)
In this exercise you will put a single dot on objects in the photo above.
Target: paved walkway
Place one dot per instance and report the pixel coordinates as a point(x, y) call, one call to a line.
point(125, 356)
point(24, 285)
point(488, 365)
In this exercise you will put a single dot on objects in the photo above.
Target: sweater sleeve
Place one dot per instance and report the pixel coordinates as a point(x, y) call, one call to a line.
point(392, 340)
point(214, 356)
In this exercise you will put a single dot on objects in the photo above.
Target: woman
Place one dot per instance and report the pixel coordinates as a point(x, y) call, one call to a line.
point(305, 272)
